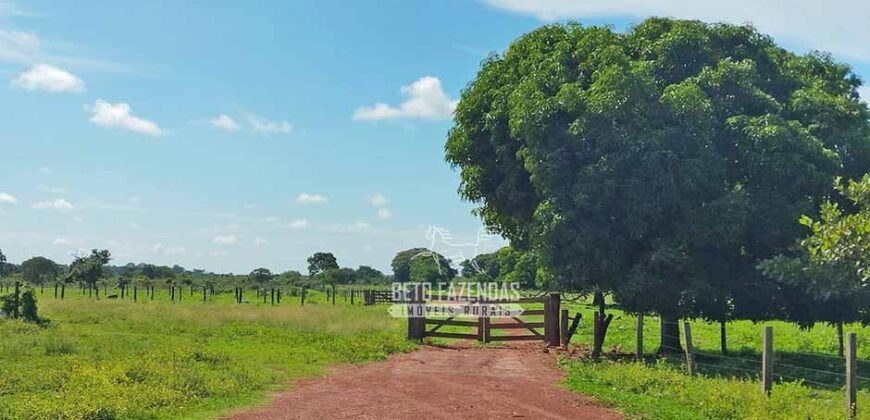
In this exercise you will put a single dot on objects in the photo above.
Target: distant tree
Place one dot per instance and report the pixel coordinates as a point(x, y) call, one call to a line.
point(403, 262)
point(368, 275)
point(483, 267)
point(261, 276)
point(89, 268)
point(321, 262)
point(39, 270)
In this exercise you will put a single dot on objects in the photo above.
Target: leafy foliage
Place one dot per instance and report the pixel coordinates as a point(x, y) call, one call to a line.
point(89, 269)
point(661, 164)
point(421, 265)
point(39, 270)
point(321, 262)
point(832, 267)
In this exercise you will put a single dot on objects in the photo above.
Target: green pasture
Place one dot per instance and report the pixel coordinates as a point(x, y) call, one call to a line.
point(107, 358)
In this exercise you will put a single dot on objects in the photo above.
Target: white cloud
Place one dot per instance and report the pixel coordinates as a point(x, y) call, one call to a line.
point(378, 199)
point(135, 225)
point(305, 198)
point(267, 127)
point(60, 241)
point(19, 47)
point(224, 122)
point(6, 198)
point(169, 250)
point(118, 115)
point(833, 30)
point(57, 204)
point(384, 214)
point(271, 219)
point(425, 99)
point(298, 224)
point(224, 239)
point(50, 79)
point(259, 241)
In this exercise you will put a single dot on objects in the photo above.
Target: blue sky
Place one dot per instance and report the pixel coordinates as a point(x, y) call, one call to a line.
point(233, 135)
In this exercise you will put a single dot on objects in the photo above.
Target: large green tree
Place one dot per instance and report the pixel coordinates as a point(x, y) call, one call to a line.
point(321, 262)
point(421, 265)
point(39, 270)
point(89, 268)
point(641, 163)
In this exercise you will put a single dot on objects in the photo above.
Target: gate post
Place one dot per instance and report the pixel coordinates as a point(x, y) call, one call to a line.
point(417, 325)
point(551, 319)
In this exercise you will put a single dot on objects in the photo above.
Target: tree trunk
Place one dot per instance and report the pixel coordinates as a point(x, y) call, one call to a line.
point(840, 339)
point(723, 338)
point(602, 322)
point(670, 335)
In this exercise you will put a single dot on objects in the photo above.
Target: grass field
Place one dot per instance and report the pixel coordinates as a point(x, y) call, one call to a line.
point(156, 359)
point(810, 384)
point(118, 359)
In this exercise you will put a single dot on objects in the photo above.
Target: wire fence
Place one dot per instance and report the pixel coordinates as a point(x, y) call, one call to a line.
point(824, 371)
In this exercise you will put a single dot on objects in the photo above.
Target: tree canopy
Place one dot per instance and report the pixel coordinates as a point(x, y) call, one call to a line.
point(321, 262)
point(89, 268)
point(39, 270)
point(660, 164)
point(421, 265)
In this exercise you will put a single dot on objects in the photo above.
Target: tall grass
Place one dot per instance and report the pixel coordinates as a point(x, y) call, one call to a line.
point(155, 359)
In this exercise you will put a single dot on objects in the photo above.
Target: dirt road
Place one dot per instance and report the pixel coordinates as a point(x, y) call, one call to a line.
point(438, 383)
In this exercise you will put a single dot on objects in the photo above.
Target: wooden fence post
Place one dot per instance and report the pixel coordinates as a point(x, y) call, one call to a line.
point(767, 360)
point(851, 376)
point(135, 293)
point(16, 299)
point(417, 324)
point(62, 290)
point(351, 296)
point(333, 293)
point(638, 352)
point(552, 319)
point(690, 356)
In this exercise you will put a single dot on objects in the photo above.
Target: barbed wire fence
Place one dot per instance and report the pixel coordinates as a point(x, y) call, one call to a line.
point(781, 367)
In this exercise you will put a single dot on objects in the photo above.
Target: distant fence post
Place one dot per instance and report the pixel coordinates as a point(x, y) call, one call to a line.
point(767, 360)
point(851, 376)
point(333, 293)
point(351, 296)
point(690, 350)
point(638, 352)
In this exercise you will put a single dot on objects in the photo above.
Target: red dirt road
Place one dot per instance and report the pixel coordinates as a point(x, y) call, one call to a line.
point(438, 383)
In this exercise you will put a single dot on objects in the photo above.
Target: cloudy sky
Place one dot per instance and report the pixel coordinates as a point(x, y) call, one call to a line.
point(232, 135)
